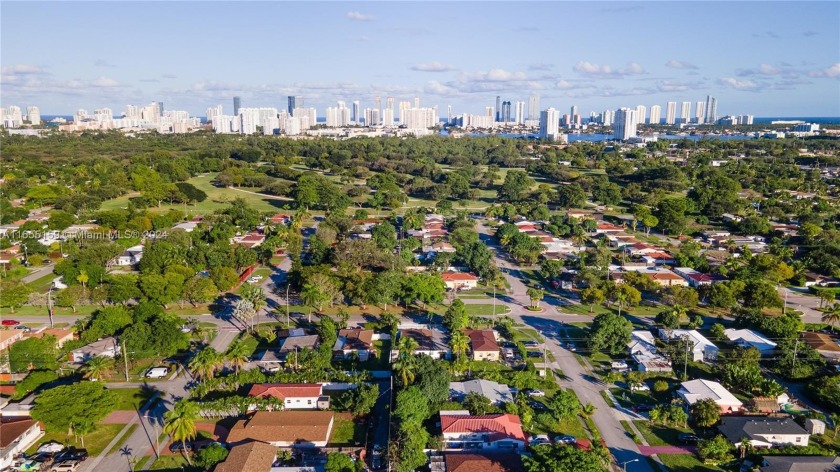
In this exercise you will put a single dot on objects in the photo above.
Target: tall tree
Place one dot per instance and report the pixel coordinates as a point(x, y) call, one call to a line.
point(179, 423)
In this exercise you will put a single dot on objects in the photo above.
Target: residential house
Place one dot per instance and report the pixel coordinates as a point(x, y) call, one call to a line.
point(483, 345)
point(16, 437)
point(105, 347)
point(459, 280)
point(297, 343)
point(698, 279)
point(824, 344)
point(749, 338)
point(188, 226)
point(800, 464)
point(605, 228)
point(525, 226)
point(702, 349)
point(657, 258)
point(643, 351)
point(764, 431)
point(430, 342)
point(295, 396)
point(640, 249)
point(280, 219)
point(695, 390)
point(253, 456)
point(61, 335)
point(250, 239)
point(284, 428)
point(660, 275)
point(9, 337)
point(496, 392)
point(354, 342)
point(482, 462)
point(580, 214)
point(129, 257)
point(813, 279)
point(499, 432)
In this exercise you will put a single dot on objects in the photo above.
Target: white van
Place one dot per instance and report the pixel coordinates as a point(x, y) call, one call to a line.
point(157, 372)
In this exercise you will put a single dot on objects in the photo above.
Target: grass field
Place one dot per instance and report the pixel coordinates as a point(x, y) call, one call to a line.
point(657, 435)
point(217, 198)
point(95, 441)
point(347, 432)
point(686, 463)
point(170, 464)
point(129, 398)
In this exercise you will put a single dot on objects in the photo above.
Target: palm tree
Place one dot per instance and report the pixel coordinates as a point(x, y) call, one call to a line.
point(405, 370)
point(832, 315)
point(180, 423)
point(237, 355)
point(835, 419)
point(459, 342)
point(406, 346)
point(587, 410)
point(96, 367)
point(205, 363)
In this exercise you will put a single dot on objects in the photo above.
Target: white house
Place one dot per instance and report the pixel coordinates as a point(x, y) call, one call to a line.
point(749, 338)
point(695, 390)
point(764, 431)
point(459, 280)
point(130, 256)
point(294, 396)
point(430, 342)
point(105, 347)
point(702, 349)
point(643, 351)
point(16, 437)
point(497, 432)
point(496, 392)
point(697, 279)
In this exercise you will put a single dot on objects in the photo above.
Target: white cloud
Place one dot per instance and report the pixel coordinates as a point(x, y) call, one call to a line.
point(595, 70)
point(675, 64)
point(832, 72)
point(739, 84)
point(668, 85)
point(105, 82)
point(357, 16)
point(493, 75)
point(433, 67)
point(436, 88)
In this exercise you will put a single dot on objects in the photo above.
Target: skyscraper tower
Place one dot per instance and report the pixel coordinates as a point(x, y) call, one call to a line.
point(534, 107)
point(519, 116)
point(685, 112)
point(641, 110)
point(671, 113)
point(498, 108)
point(389, 102)
point(356, 109)
point(549, 124)
point(700, 112)
point(416, 102)
point(292, 104)
point(624, 126)
point(237, 102)
point(160, 105)
point(711, 109)
point(655, 114)
point(506, 112)
point(377, 104)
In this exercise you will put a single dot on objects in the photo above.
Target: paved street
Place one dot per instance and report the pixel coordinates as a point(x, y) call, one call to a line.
point(800, 299)
point(37, 274)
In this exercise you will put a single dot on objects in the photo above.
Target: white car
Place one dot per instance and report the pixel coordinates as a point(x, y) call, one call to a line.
point(536, 393)
point(157, 372)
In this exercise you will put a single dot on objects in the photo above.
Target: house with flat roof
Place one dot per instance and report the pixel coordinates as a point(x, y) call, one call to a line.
point(483, 344)
point(695, 390)
point(763, 431)
point(284, 428)
point(496, 392)
point(499, 432)
point(750, 338)
point(299, 396)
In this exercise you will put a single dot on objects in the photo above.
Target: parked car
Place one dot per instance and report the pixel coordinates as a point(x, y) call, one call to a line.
point(50, 447)
point(565, 439)
point(571, 347)
point(179, 447)
point(10, 322)
point(642, 408)
point(72, 453)
point(26, 465)
point(157, 372)
point(537, 406)
point(65, 466)
point(530, 343)
point(688, 438)
point(535, 393)
point(639, 387)
point(539, 439)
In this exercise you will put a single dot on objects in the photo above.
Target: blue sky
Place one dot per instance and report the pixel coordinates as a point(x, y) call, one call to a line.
point(761, 58)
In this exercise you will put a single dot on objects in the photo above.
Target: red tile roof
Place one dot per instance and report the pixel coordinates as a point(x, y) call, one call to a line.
point(483, 462)
point(457, 276)
point(483, 340)
point(499, 426)
point(283, 391)
point(283, 426)
point(12, 430)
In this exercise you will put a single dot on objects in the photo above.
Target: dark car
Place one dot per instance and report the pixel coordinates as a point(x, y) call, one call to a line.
point(72, 454)
point(642, 408)
point(179, 446)
point(537, 406)
point(686, 438)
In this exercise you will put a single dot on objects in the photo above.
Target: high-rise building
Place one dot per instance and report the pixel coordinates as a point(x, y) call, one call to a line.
point(160, 105)
point(416, 102)
point(700, 112)
point(491, 112)
point(685, 112)
point(389, 102)
point(711, 109)
point(34, 115)
point(519, 116)
point(339, 116)
point(498, 108)
point(534, 107)
point(356, 118)
point(291, 104)
point(574, 110)
point(388, 117)
point(550, 124)
point(372, 116)
point(607, 117)
point(421, 118)
point(641, 110)
point(671, 113)
point(237, 102)
point(506, 116)
point(377, 103)
point(624, 126)
point(655, 115)
point(449, 113)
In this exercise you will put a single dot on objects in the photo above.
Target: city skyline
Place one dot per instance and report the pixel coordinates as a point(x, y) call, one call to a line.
point(783, 61)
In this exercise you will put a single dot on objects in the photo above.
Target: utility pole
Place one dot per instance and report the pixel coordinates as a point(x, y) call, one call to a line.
point(795, 348)
point(685, 365)
point(288, 316)
point(49, 304)
point(125, 359)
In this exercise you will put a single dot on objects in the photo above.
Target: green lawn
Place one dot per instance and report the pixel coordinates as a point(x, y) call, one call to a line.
point(217, 198)
point(347, 432)
point(43, 284)
point(686, 463)
point(626, 425)
point(658, 435)
point(94, 442)
point(486, 310)
point(170, 464)
point(130, 398)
